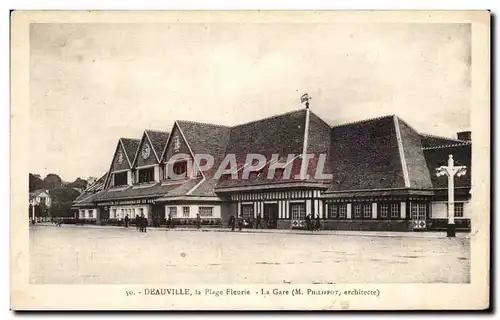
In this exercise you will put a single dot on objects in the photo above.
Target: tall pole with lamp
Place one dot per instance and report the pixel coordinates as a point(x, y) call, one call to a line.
point(451, 171)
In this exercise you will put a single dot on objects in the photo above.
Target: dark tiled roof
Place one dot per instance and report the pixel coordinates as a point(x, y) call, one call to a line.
point(205, 138)
point(365, 155)
point(158, 140)
point(439, 157)
point(430, 141)
point(416, 164)
point(139, 191)
point(319, 142)
point(86, 199)
point(282, 134)
point(98, 184)
point(206, 189)
point(130, 146)
point(184, 188)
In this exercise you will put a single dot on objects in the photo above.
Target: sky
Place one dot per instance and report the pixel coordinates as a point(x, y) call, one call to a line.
point(91, 84)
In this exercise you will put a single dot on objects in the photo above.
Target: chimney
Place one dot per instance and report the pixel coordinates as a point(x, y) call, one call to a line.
point(464, 135)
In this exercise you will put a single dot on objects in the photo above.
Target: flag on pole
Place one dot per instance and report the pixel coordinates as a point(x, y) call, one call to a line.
point(304, 98)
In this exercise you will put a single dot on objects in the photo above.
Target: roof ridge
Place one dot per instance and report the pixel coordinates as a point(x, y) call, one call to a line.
point(441, 137)
point(364, 120)
point(463, 143)
point(158, 131)
point(133, 139)
point(323, 120)
point(204, 123)
point(270, 117)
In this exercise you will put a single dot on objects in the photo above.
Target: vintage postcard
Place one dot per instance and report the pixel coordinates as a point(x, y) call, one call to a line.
point(217, 160)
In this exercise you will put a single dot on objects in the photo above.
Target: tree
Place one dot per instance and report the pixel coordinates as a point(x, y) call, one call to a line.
point(35, 182)
point(52, 180)
point(78, 183)
point(62, 200)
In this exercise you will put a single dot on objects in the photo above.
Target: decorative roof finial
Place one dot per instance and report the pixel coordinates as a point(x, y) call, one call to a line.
point(305, 98)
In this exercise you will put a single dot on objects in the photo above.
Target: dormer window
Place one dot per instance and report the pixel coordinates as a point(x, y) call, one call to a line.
point(120, 178)
point(178, 170)
point(146, 175)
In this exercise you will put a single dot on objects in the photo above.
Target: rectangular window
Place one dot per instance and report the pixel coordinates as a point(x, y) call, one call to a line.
point(206, 211)
point(298, 211)
point(389, 210)
point(247, 211)
point(384, 210)
point(395, 212)
point(342, 211)
point(185, 212)
point(333, 210)
point(357, 210)
point(367, 210)
point(459, 210)
point(418, 211)
point(172, 211)
point(120, 178)
point(146, 175)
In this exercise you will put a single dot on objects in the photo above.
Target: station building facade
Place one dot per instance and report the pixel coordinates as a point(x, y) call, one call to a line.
point(376, 174)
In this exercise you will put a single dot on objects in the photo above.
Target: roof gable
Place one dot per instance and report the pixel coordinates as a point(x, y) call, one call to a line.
point(205, 138)
point(158, 140)
point(120, 158)
point(176, 144)
point(416, 165)
point(319, 143)
point(130, 146)
point(146, 153)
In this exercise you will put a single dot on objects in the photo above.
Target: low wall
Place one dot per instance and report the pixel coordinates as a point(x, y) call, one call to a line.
point(361, 225)
point(442, 224)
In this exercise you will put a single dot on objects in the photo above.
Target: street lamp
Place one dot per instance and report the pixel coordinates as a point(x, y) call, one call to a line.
point(34, 202)
point(451, 171)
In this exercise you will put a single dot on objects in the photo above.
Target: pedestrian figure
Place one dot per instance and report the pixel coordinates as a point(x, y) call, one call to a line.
point(308, 222)
point(231, 222)
point(126, 221)
point(318, 223)
point(140, 221)
point(258, 223)
point(144, 223)
point(137, 222)
point(169, 221)
point(198, 221)
point(59, 222)
point(240, 223)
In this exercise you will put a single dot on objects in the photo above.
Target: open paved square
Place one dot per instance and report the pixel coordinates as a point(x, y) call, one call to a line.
point(124, 256)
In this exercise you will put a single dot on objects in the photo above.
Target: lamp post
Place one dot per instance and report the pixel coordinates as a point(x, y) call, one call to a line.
point(451, 171)
point(33, 203)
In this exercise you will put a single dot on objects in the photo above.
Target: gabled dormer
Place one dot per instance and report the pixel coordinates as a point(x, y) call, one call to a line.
point(178, 156)
point(147, 159)
point(121, 173)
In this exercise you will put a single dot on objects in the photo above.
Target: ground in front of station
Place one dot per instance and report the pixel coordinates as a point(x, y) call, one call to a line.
point(125, 256)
